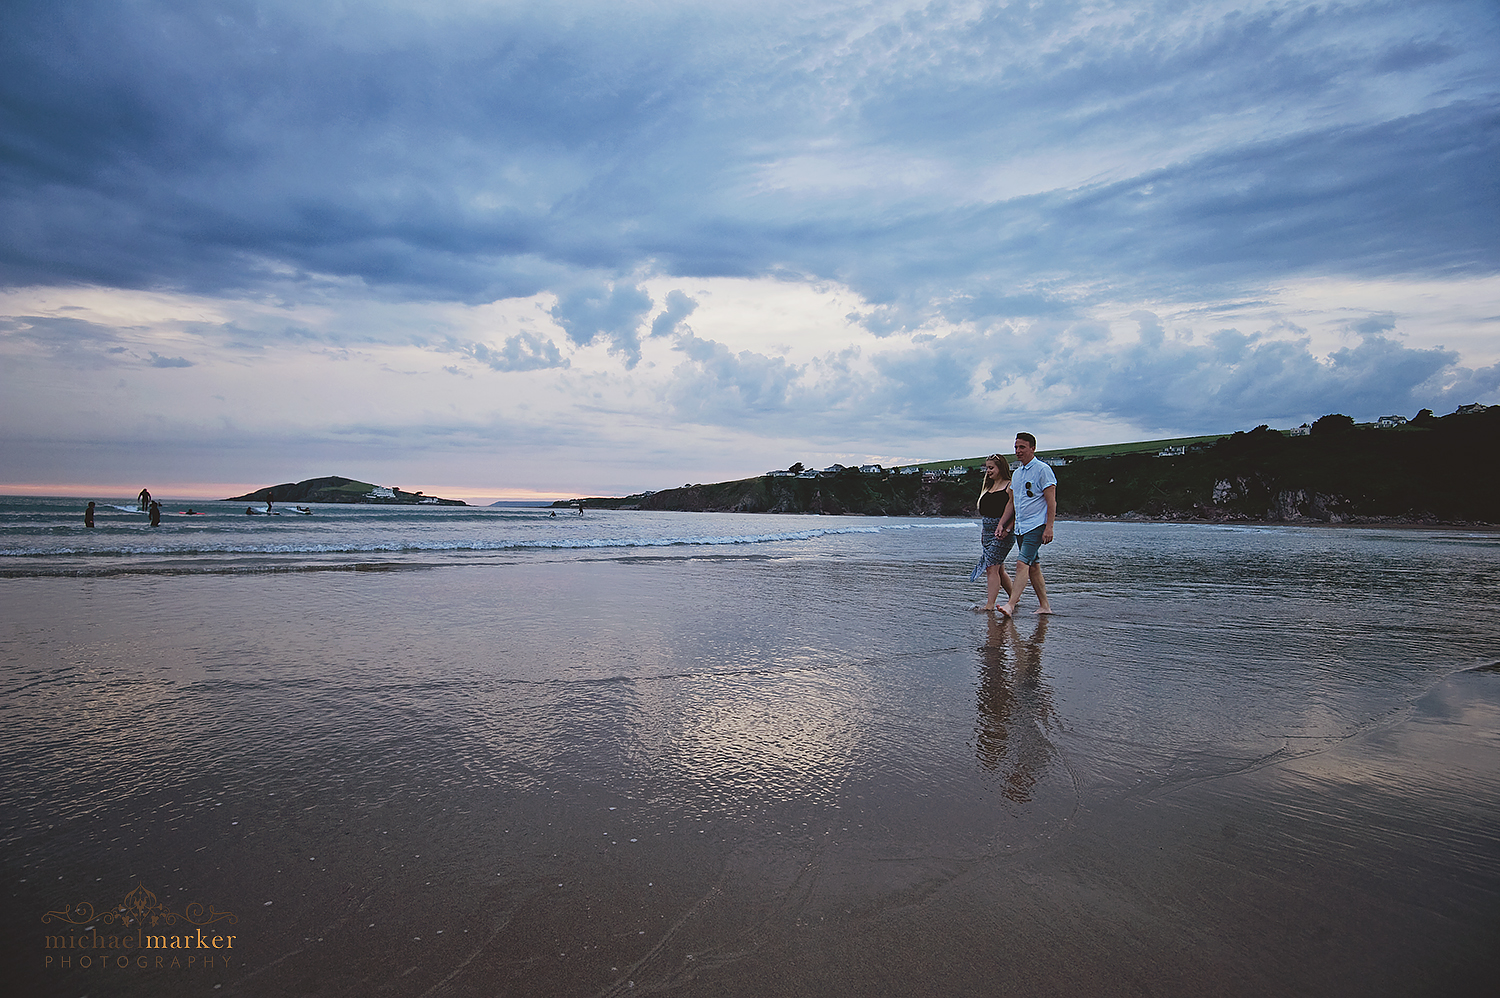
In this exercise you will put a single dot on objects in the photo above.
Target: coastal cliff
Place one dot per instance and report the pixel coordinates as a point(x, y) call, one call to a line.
point(1432, 470)
point(336, 489)
point(848, 493)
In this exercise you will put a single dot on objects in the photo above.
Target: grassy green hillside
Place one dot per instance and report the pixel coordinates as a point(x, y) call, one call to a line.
point(1072, 454)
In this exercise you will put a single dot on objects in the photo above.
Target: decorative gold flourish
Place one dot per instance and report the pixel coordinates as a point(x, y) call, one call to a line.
point(84, 915)
point(195, 913)
point(139, 907)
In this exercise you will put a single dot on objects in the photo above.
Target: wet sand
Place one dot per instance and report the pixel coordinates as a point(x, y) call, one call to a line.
point(691, 775)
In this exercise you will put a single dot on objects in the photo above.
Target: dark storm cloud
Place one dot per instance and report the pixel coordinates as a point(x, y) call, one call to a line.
point(217, 146)
point(1418, 197)
point(478, 153)
point(988, 178)
point(613, 312)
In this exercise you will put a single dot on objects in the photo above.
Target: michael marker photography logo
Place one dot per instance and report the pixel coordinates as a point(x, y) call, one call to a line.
point(139, 933)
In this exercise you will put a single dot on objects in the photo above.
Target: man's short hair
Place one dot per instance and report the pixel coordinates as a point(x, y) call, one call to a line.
point(1028, 438)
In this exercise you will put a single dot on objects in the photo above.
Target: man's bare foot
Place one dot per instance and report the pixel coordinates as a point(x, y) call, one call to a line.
point(1043, 611)
point(1008, 610)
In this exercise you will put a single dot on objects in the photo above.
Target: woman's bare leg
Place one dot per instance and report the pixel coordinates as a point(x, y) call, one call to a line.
point(992, 582)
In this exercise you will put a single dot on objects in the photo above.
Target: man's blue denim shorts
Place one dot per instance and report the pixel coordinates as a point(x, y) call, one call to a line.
point(1029, 544)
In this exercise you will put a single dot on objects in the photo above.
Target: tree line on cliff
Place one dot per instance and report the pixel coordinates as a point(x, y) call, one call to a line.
point(1432, 470)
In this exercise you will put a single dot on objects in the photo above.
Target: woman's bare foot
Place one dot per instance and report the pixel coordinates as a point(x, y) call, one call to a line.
point(1043, 611)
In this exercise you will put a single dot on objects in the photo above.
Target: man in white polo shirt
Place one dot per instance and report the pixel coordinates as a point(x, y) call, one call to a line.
point(1034, 487)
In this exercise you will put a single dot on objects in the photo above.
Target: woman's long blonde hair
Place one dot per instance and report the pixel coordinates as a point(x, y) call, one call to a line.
point(1001, 462)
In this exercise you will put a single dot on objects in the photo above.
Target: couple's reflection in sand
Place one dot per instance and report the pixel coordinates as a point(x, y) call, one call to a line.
point(1015, 711)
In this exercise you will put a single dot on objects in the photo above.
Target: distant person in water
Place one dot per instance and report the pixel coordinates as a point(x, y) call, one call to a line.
point(88, 516)
point(145, 499)
point(996, 512)
point(155, 513)
point(268, 502)
point(1034, 488)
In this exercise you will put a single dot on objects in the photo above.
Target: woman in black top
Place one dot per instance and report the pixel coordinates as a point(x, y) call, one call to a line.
point(997, 513)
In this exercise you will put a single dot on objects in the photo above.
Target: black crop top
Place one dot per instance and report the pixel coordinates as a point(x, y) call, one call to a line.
point(992, 504)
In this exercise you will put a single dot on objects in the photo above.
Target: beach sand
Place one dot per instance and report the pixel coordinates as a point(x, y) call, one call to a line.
point(810, 773)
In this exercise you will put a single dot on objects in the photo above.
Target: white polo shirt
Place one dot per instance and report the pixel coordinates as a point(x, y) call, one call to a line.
point(1027, 484)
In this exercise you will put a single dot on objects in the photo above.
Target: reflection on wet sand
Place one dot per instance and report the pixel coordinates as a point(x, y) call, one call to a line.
point(1015, 710)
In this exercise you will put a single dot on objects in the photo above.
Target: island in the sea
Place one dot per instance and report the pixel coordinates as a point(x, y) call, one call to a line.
point(336, 489)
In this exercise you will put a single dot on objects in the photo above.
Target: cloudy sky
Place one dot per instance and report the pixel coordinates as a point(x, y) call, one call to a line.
point(486, 248)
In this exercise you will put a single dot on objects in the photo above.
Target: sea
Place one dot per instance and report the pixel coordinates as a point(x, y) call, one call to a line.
point(495, 751)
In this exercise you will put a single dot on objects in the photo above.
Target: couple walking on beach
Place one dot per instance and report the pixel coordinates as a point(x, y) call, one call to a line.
point(1015, 510)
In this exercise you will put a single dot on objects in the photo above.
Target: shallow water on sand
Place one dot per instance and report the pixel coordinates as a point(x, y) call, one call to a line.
point(1238, 761)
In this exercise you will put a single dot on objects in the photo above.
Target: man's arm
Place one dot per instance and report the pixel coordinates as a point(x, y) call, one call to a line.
point(1050, 494)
